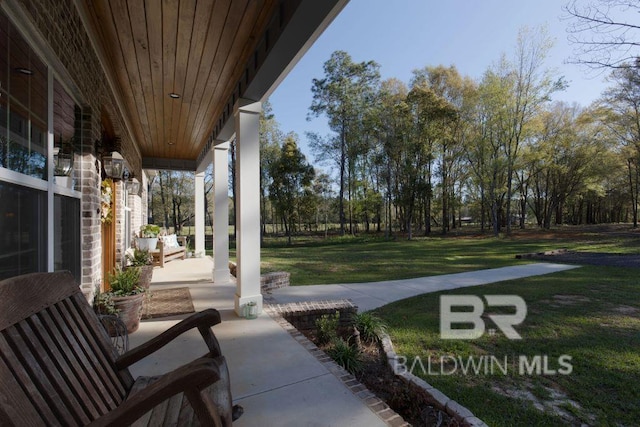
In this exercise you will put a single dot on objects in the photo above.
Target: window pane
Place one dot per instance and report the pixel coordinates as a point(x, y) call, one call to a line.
point(4, 130)
point(23, 107)
point(4, 52)
point(66, 234)
point(23, 230)
point(27, 77)
point(27, 144)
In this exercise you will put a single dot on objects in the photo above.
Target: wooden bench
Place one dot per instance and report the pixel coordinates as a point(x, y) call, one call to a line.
point(164, 254)
point(58, 366)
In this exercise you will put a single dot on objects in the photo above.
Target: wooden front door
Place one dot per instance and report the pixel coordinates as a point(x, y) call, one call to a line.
point(109, 239)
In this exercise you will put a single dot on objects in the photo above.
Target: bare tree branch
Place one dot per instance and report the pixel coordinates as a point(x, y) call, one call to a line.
point(605, 33)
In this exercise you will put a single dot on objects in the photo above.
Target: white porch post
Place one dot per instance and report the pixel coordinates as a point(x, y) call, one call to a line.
point(221, 213)
point(199, 188)
point(247, 118)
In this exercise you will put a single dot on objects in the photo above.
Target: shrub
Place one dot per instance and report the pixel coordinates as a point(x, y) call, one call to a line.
point(369, 326)
point(346, 356)
point(327, 326)
point(125, 282)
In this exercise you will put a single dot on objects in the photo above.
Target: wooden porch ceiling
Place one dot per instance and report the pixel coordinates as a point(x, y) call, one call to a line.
point(198, 50)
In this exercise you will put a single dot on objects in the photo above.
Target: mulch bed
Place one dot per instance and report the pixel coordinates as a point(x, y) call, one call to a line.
point(379, 379)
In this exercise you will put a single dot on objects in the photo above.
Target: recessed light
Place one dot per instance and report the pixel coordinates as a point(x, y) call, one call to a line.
point(174, 95)
point(25, 71)
point(171, 143)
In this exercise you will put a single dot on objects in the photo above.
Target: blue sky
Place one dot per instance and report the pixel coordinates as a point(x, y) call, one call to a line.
point(404, 35)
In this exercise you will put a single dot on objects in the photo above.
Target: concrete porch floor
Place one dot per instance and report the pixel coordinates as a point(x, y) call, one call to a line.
point(275, 379)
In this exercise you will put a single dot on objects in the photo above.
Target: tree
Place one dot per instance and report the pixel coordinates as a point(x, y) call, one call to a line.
point(488, 156)
point(176, 202)
point(391, 121)
point(343, 95)
point(605, 33)
point(527, 86)
point(623, 119)
point(457, 92)
point(290, 176)
point(270, 141)
point(432, 117)
point(322, 189)
point(561, 160)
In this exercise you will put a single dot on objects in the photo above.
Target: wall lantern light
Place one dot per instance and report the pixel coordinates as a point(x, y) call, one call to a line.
point(113, 164)
point(62, 162)
point(133, 186)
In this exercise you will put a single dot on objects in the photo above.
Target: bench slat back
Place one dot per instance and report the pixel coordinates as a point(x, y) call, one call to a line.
point(57, 364)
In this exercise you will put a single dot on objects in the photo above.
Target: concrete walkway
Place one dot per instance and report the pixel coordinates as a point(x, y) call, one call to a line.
point(368, 296)
point(275, 379)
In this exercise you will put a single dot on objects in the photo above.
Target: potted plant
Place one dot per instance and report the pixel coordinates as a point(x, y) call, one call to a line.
point(124, 298)
point(148, 238)
point(143, 260)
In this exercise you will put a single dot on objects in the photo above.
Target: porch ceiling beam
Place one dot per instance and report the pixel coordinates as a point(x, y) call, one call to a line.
point(161, 163)
point(308, 22)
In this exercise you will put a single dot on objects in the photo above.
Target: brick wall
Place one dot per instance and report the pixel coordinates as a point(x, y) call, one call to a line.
point(91, 215)
point(60, 28)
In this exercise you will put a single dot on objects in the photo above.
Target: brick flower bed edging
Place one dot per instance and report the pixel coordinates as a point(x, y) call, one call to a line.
point(274, 280)
point(373, 402)
point(440, 400)
point(268, 281)
point(303, 315)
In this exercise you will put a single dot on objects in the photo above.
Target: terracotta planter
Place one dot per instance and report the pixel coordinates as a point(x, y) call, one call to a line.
point(130, 310)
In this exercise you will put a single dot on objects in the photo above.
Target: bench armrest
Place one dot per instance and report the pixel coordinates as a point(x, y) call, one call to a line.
point(190, 379)
point(203, 320)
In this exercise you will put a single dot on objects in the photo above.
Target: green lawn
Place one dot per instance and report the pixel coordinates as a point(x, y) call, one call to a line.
point(362, 259)
point(591, 314)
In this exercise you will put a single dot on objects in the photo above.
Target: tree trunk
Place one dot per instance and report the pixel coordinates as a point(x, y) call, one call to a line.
point(343, 161)
point(483, 205)
point(633, 187)
point(509, 194)
point(163, 200)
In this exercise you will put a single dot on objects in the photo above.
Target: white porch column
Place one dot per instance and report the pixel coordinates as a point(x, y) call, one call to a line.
point(199, 188)
point(221, 214)
point(247, 118)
